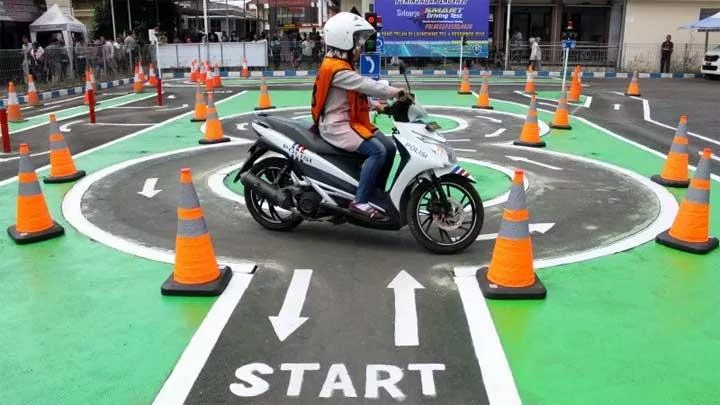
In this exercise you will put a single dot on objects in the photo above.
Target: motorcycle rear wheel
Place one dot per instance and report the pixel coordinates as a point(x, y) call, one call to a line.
point(266, 214)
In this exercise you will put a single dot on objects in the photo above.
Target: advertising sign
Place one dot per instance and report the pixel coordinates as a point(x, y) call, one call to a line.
point(433, 28)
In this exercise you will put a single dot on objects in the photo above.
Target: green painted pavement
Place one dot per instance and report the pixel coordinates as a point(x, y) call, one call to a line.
point(83, 323)
point(42, 119)
point(555, 96)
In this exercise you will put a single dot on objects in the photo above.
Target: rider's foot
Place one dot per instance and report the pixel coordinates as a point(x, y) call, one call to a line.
point(367, 210)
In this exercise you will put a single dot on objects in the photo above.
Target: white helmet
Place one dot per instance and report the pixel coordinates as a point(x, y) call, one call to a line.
point(345, 31)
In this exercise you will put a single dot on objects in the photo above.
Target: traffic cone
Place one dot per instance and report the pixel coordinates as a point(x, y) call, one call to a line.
point(209, 82)
point(200, 107)
point(152, 78)
point(194, 71)
point(690, 230)
point(675, 171)
point(141, 72)
point(634, 87)
point(13, 105)
point(530, 135)
point(201, 74)
point(483, 100)
point(530, 83)
point(561, 119)
point(196, 271)
point(245, 71)
point(264, 101)
point(511, 274)
point(213, 127)
point(576, 86)
point(93, 82)
point(32, 96)
point(465, 83)
point(88, 86)
point(33, 222)
point(62, 166)
point(138, 83)
point(217, 81)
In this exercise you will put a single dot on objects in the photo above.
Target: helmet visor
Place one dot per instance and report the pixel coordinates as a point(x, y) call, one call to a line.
point(360, 37)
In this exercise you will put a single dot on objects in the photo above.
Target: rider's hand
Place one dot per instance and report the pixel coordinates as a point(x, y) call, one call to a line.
point(380, 107)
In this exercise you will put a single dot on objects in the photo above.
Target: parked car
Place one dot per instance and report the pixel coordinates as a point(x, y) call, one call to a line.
point(711, 64)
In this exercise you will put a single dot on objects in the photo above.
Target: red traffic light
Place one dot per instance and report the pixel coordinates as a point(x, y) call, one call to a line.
point(371, 18)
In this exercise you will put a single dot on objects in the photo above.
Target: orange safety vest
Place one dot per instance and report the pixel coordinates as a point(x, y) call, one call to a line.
point(359, 105)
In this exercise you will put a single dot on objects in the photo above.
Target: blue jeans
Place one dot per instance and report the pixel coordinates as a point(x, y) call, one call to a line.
point(380, 153)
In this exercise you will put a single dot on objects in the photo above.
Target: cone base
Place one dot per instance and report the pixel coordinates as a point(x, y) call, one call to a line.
point(464, 92)
point(32, 237)
point(670, 183)
point(213, 141)
point(690, 247)
point(540, 144)
point(264, 108)
point(553, 126)
point(198, 120)
point(633, 95)
point(64, 179)
point(531, 93)
point(211, 289)
point(18, 121)
point(489, 107)
point(493, 291)
point(37, 105)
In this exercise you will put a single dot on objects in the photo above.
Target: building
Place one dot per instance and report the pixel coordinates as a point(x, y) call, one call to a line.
point(15, 19)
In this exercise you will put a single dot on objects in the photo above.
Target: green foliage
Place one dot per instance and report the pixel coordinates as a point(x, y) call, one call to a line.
point(144, 16)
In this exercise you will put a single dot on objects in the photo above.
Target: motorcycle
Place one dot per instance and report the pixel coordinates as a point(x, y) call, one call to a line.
point(293, 175)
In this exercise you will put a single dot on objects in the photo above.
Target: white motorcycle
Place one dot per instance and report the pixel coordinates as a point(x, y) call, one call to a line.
point(306, 178)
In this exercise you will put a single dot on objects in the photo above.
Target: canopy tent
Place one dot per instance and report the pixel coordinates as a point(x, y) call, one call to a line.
point(708, 24)
point(54, 20)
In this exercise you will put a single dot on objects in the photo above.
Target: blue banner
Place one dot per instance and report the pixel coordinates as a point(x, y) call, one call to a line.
point(434, 20)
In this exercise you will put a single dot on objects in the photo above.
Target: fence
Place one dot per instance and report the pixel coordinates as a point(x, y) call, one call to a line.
point(686, 58)
point(63, 67)
point(228, 54)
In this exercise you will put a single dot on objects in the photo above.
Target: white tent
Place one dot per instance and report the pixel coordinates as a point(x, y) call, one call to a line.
point(55, 20)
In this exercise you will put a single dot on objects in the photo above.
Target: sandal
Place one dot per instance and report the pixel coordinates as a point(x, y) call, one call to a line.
point(368, 212)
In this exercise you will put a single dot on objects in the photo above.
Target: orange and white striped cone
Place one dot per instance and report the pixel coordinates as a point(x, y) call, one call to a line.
point(217, 81)
point(511, 274)
point(200, 114)
point(13, 105)
point(152, 78)
point(530, 82)
point(93, 82)
point(575, 86)
point(690, 232)
point(33, 98)
point(561, 119)
point(201, 74)
point(193, 71)
point(634, 87)
point(264, 102)
point(465, 87)
point(138, 83)
point(213, 127)
point(483, 100)
point(530, 135)
point(196, 271)
point(675, 172)
point(141, 72)
point(88, 85)
point(33, 221)
point(62, 165)
point(245, 71)
point(209, 82)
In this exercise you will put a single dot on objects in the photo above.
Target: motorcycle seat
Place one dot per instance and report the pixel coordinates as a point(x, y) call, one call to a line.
point(302, 132)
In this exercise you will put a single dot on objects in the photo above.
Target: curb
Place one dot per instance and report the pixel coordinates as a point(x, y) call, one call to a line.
point(435, 73)
point(49, 95)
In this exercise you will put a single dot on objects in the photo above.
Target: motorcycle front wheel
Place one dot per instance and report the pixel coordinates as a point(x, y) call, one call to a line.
point(445, 225)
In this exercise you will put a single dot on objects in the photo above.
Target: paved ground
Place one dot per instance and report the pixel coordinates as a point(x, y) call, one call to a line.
point(614, 327)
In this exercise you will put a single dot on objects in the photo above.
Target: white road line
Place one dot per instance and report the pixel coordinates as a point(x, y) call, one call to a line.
point(496, 133)
point(648, 118)
point(618, 93)
point(465, 150)
point(588, 101)
point(547, 104)
point(526, 160)
point(18, 157)
point(178, 385)
point(496, 374)
point(63, 101)
point(616, 107)
point(540, 228)
point(159, 108)
point(491, 119)
point(460, 140)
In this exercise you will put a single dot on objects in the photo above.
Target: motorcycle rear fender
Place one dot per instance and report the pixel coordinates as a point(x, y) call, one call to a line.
point(259, 148)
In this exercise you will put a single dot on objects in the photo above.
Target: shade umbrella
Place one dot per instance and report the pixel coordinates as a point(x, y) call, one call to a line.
point(708, 24)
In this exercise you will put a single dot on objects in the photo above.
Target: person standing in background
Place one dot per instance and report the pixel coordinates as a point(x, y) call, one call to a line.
point(535, 54)
point(666, 50)
point(26, 47)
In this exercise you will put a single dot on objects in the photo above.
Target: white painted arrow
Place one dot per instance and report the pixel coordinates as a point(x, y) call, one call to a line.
point(289, 319)
point(496, 133)
point(491, 119)
point(242, 126)
point(171, 97)
point(524, 159)
point(148, 189)
point(540, 228)
point(616, 107)
point(66, 127)
point(406, 322)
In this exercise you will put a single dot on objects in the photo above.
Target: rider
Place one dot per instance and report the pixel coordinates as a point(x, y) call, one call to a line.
point(341, 111)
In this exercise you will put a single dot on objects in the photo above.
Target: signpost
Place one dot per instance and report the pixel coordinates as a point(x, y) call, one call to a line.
point(370, 65)
point(567, 44)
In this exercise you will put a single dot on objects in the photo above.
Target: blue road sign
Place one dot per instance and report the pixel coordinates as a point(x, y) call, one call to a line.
point(477, 50)
point(568, 44)
point(379, 43)
point(370, 65)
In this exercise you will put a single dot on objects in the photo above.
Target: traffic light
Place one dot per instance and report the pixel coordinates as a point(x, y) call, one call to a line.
point(371, 43)
point(372, 18)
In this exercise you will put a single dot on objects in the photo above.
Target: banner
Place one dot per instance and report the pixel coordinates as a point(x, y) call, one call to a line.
point(434, 20)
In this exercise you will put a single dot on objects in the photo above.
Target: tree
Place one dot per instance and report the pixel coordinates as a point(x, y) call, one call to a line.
point(145, 14)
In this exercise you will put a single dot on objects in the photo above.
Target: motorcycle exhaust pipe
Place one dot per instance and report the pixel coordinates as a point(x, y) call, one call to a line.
point(266, 190)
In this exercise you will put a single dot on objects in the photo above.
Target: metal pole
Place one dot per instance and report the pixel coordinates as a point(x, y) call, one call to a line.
point(565, 65)
point(227, 17)
point(207, 33)
point(130, 51)
point(112, 15)
point(4, 130)
point(461, 56)
point(507, 35)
